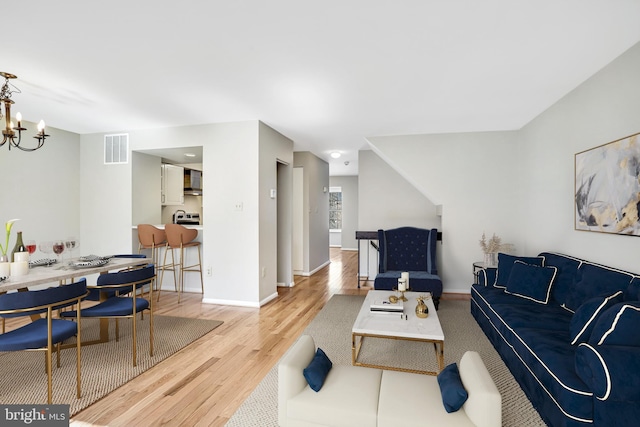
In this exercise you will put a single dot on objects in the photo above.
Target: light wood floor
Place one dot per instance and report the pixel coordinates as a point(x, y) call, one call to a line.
point(204, 384)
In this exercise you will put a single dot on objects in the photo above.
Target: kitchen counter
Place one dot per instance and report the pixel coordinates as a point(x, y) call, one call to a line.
point(161, 226)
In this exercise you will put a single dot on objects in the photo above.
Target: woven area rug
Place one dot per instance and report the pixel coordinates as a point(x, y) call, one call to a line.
point(105, 367)
point(331, 330)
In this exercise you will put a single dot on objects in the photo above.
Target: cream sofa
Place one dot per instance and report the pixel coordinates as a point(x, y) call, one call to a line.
point(357, 396)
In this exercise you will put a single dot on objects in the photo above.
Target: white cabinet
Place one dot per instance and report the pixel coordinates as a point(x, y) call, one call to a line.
point(172, 185)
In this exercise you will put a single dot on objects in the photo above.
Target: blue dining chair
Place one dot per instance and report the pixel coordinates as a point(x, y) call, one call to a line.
point(44, 333)
point(94, 294)
point(124, 301)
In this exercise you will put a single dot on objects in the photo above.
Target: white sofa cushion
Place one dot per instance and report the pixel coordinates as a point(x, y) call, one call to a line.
point(349, 397)
point(484, 405)
point(408, 399)
point(291, 381)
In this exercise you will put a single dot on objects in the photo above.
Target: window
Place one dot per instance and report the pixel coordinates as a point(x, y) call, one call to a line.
point(335, 208)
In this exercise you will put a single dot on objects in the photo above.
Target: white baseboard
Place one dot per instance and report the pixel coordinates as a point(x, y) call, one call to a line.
point(349, 249)
point(230, 302)
point(241, 303)
point(286, 285)
point(269, 298)
point(311, 273)
point(315, 270)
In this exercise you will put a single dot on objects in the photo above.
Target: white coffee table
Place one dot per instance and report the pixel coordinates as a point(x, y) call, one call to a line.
point(406, 326)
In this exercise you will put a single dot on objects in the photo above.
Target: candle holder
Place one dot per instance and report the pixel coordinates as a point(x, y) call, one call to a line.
point(401, 297)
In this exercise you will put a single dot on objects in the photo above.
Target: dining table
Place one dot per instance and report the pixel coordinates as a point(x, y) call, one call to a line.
point(59, 274)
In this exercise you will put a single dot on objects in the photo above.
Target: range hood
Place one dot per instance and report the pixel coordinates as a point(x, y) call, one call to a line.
point(192, 182)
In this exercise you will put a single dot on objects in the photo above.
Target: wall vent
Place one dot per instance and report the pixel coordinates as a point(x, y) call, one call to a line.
point(116, 149)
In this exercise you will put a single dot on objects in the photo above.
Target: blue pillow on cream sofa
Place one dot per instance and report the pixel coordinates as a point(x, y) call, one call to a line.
point(505, 264)
point(317, 370)
point(586, 316)
point(451, 388)
point(531, 281)
point(618, 326)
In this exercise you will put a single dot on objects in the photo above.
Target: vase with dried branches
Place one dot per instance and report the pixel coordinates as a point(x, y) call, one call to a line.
point(490, 248)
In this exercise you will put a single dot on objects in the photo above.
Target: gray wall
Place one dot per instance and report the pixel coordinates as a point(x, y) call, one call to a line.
point(316, 210)
point(146, 188)
point(349, 185)
point(275, 241)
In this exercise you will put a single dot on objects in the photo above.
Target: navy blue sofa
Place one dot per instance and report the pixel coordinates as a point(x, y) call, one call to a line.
point(569, 331)
point(412, 250)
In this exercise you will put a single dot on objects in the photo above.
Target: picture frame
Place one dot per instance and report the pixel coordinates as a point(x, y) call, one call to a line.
point(607, 187)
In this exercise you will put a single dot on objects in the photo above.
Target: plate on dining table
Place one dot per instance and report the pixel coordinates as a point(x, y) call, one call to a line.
point(87, 258)
point(89, 264)
point(41, 262)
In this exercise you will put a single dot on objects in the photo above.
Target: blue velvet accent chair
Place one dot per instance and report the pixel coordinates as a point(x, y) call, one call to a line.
point(124, 299)
point(45, 332)
point(413, 250)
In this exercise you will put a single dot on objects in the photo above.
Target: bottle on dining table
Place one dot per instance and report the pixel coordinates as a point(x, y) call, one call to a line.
point(19, 247)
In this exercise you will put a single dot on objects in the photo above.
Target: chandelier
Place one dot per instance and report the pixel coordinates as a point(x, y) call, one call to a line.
point(9, 131)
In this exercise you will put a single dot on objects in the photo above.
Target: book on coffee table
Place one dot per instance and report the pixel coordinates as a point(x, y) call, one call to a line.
point(385, 306)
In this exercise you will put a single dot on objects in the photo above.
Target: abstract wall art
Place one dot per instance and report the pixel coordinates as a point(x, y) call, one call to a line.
point(607, 187)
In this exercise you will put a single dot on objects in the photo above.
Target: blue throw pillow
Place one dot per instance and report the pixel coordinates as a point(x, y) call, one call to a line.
point(593, 280)
point(586, 316)
point(531, 282)
point(453, 392)
point(505, 264)
point(618, 326)
point(317, 370)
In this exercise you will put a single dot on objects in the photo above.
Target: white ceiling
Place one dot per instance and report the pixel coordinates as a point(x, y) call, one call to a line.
point(327, 74)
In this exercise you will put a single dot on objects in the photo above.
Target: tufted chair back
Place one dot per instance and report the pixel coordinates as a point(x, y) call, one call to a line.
point(408, 249)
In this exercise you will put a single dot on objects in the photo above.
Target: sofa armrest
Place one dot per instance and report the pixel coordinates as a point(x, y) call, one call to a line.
point(484, 405)
point(613, 374)
point(610, 371)
point(291, 380)
point(487, 276)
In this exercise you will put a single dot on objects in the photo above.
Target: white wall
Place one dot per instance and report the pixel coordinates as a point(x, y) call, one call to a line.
point(520, 184)
point(230, 175)
point(349, 185)
point(603, 109)
point(474, 176)
point(41, 188)
point(335, 238)
point(388, 200)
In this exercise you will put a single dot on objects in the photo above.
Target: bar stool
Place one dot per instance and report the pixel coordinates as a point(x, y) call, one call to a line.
point(180, 237)
point(153, 238)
